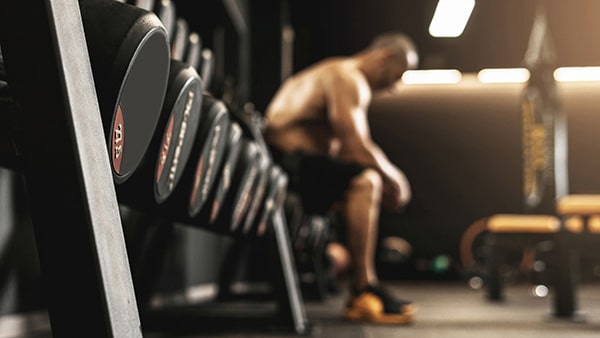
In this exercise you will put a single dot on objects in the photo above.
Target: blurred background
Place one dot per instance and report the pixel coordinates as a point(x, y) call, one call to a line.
point(462, 165)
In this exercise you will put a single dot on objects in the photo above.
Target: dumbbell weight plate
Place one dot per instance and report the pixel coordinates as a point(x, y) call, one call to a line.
point(214, 137)
point(169, 151)
point(224, 180)
point(257, 193)
point(197, 183)
point(275, 198)
point(130, 64)
point(185, 96)
point(235, 204)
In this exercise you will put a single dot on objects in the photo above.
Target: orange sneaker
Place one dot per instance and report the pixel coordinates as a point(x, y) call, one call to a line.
point(375, 305)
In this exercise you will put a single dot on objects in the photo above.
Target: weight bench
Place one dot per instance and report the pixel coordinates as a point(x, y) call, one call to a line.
point(545, 178)
point(507, 232)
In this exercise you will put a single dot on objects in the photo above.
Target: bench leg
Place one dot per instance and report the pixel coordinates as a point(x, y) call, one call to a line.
point(565, 277)
point(493, 259)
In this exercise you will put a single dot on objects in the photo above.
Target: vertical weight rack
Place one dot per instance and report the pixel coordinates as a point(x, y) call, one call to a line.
point(87, 279)
point(88, 285)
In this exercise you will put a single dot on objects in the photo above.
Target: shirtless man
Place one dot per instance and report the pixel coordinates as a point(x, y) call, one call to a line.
point(317, 129)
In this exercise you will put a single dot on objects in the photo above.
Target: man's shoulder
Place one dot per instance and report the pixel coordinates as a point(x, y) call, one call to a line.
point(342, 73)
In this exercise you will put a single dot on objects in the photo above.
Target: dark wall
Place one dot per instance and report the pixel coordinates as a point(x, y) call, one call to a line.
point(460, 147)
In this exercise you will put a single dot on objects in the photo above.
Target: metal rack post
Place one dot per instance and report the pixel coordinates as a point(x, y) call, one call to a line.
point(87, 281)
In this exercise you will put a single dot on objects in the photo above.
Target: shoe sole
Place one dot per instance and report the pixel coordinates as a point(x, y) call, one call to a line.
point(364, 316)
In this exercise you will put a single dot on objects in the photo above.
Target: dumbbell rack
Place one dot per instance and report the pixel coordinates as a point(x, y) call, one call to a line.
point(83, 258)
point(88, 286)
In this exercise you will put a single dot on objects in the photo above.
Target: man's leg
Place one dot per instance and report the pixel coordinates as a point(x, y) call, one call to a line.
point(369, 302)
point(361, 218)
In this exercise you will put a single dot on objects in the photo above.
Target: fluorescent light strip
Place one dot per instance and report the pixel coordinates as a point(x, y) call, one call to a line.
point(577, 74)
point(431, 76)
point(503, 75)
point(450, 18)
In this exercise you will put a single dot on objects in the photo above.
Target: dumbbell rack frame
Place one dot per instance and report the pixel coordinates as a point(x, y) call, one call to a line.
point(87, 282)
point(281, 310)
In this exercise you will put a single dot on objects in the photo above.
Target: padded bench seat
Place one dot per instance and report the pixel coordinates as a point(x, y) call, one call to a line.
point(513, 223)
point(579, 205)
point(523, 223)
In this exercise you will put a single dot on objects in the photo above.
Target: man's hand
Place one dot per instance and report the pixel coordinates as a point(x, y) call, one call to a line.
point(396, 191)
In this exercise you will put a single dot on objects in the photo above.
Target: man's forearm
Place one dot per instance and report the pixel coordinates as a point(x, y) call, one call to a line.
point(372, 156)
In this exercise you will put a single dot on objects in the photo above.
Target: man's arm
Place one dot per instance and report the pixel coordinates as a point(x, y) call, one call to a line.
point(347, 101)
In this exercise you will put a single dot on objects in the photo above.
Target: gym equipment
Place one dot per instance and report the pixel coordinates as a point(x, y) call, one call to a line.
point(545, 176)
point(228, 214)
point(179, 40)
point(199, 178)
point(193, 52)
point(101, 303)
point(207, 67)
point(129, 52)
point(164, 9)
point(257, 194)
point(143, 4)
point(208, 213)
point(310, 252)
point(166, 12)
point(70, 187)
point(212, 155)
point(274, 199)
point(171, 145)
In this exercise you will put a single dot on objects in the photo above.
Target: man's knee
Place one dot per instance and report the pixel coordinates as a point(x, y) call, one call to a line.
point(368, 180)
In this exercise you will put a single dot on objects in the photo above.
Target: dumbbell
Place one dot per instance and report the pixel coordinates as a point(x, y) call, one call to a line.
point(227, 214)
point(256, 167)
point(177, 29)
point(208, 212)
point(143, 4)
point(129, 55)
point(199, 178)
point(193, 51)
point(179, 40)
point(257, 192)
point(274, 199)
point(164, 9)
point(207, 69)
point(219, 132)
point(312, 234)
point(170, 148)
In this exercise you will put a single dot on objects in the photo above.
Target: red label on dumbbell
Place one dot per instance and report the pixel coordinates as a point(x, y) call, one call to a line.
point(244, 201)
point(255, 203)
point(215, 211)
point(197, 180)
point(164, 149)
point(118, 139)
point(205, 174)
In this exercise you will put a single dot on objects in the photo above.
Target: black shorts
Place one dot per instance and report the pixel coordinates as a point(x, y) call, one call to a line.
point(319, 179)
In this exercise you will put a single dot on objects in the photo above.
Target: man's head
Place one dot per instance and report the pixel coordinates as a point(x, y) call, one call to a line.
point(391, 55)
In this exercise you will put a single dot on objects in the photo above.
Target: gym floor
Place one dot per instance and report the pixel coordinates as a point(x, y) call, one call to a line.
point(450, 309)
